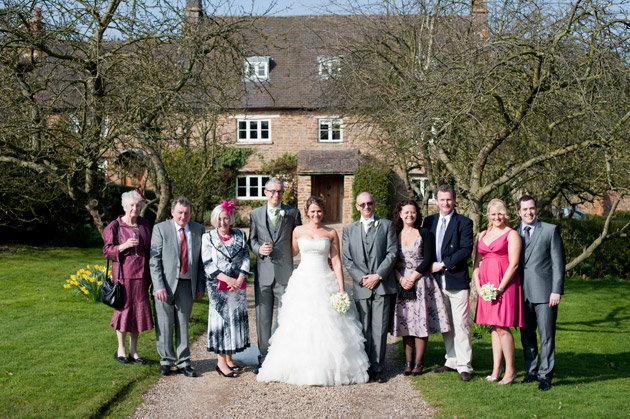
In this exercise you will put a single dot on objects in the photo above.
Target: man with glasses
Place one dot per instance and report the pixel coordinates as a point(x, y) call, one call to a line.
point(369, 255)
point(270, 238)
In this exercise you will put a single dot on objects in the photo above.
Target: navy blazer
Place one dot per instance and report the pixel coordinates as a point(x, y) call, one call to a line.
point(457, 247)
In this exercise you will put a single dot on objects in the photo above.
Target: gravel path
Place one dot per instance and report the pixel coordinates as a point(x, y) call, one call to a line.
point(212, 396)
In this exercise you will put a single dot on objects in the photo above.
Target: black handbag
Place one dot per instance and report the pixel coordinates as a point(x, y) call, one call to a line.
point(112, 293)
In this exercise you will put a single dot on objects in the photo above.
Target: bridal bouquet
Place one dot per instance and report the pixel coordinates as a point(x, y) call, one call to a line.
point(489, 292)
point(340, 302)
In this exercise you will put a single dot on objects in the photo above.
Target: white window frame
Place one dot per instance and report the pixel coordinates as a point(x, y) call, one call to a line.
point(257, 68)
point(249, 130)
point(328, 66)
point(422, 180)
point(331, 122)
point(262, 179)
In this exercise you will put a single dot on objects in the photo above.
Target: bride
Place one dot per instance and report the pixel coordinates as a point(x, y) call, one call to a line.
point(314, 344)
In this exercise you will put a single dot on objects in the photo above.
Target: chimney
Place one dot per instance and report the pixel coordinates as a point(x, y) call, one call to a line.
point(193, 11)
point(479, 16)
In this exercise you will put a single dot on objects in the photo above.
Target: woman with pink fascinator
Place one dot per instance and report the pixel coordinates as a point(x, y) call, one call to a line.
point(225, 257)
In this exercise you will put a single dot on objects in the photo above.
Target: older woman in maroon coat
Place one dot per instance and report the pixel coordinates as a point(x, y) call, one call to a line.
point(127, 243)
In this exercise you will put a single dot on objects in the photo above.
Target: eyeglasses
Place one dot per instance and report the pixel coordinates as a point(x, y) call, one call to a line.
point(274, 192)
point(369, 204)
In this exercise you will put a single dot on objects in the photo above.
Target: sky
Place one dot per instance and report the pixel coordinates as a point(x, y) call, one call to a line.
point(283, 7)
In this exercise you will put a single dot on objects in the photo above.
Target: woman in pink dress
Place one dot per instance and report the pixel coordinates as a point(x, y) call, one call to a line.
point(127, 241)
point(496, 262)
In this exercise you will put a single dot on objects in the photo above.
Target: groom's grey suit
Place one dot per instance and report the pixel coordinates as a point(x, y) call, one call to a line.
point(165, 272)
point(272, 272)
point(373, 252)
point(542, 272)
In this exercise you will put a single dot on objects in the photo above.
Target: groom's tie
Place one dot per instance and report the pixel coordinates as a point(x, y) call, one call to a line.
point(274, 219)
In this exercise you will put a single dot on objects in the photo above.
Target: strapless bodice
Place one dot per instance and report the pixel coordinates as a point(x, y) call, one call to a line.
point(314, 253)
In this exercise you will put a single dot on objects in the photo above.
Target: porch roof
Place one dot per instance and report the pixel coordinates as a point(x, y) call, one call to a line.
point(319, 162)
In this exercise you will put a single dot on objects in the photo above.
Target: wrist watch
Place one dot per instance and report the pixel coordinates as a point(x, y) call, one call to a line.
point(380, 278)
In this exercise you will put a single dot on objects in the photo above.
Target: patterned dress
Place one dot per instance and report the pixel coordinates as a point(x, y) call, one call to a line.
point(228, 325)
point(426, 314)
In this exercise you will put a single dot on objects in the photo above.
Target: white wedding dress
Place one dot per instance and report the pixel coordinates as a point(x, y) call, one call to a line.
point(313, 344)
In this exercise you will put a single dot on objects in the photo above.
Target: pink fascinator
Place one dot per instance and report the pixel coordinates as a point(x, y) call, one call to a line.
point(140, 193)
point(228, 206)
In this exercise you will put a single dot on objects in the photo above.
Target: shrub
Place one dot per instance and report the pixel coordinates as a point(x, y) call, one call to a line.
point(376, 177)
point(285, 169)
point(611, 258)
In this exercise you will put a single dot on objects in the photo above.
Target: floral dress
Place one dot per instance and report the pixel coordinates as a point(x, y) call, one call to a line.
point(426, 314)
point(228, 324)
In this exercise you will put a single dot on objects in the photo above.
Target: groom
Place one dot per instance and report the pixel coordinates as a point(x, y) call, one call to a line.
point(270, 238)
point(542, 273)
point(369, 254)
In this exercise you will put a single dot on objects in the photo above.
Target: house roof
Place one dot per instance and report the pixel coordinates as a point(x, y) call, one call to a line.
point(293, 44)
point(321, 162)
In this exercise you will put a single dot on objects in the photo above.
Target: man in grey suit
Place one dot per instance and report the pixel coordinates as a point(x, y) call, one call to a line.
point(542, 271)
point(178, 276)
point(270, 238)
point(369, 255)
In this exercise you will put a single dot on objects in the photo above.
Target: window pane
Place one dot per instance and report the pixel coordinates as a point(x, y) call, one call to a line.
point(323, 135)
point(253, 192)
point(264, 125)
point(241, 182)
point(336, 135)
point(253, 181)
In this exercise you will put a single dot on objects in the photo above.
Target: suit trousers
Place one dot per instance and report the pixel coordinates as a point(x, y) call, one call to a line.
point(174, 313)
point(544, 317)
point(375, 316)
point(457, 342)
point(265, 297)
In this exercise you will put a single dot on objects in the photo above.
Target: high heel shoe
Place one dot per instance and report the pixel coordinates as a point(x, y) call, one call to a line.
point(230, 375)
point(407, 370)
point(492, 379)
point(503, 382)
point(415, 367)
point(235, 368)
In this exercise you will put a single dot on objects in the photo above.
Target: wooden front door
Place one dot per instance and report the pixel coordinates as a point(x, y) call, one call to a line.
point(330, 188)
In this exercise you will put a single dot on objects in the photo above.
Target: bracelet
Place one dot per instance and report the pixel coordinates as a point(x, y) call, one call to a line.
point(500, 289)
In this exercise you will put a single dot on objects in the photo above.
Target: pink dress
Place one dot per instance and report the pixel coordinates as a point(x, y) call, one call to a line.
point(135, 316)
point(507, 309)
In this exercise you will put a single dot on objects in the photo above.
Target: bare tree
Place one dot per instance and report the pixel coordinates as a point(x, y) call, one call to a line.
point(529, 96)
point(85, 81)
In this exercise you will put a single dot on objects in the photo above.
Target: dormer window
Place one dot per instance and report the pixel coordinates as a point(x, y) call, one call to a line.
point(328, 66)
point(257, 68)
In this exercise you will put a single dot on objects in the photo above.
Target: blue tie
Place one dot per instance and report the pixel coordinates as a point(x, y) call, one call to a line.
point(440, 239)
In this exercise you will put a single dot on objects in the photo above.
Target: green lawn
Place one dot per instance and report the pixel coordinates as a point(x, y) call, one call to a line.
point(592, 374)
point(57, 349)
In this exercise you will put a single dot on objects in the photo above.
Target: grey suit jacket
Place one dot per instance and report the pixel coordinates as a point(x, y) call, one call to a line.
point(381, 257)
point(542, 265)
point(164, 262)
point(278, 265)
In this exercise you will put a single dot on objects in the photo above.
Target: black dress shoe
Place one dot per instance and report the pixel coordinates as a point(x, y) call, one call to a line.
point(465, 376)
point(165, 369)
point(187, 371)
point(529, 378)
point(121, 359)
point(415, 369)
point(380, 378)
point(443, 369)
point(139, 360)
point(371, 374)
point(544, 385)
point(229, 375)
point(257, 368)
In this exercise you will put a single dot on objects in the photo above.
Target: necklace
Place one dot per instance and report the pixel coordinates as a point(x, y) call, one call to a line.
point(226, 238)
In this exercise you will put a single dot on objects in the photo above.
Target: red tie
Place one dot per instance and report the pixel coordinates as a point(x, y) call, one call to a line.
point(183, 254)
